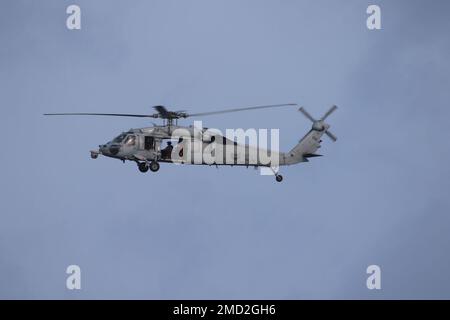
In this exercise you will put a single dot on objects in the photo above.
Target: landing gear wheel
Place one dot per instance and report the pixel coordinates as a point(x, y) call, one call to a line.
point(143, 167)
point(279, 177)
point(154, 166)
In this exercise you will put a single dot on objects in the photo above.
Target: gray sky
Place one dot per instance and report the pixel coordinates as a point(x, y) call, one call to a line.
point(379, 196)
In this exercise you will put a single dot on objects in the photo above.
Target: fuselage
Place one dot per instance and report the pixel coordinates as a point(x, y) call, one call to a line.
point(191, 146)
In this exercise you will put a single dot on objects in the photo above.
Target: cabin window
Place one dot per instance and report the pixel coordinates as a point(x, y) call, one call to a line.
point(149, 143)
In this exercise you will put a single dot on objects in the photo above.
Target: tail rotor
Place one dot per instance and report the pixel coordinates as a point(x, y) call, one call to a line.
point(320, 125)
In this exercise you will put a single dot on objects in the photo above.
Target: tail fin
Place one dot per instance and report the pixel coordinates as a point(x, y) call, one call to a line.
point(310, 143)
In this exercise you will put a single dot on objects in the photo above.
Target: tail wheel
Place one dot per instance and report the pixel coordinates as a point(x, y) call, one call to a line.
point(154, 166)
point(143, 167)
point(279, 177)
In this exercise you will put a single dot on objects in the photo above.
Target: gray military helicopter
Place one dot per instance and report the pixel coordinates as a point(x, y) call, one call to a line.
point(144, 145)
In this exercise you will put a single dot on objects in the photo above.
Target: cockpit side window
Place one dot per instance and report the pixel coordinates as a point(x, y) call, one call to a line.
point(130, 140)
point(120, 138)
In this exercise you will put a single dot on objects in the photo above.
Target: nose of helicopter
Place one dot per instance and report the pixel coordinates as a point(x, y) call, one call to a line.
point(109, 149)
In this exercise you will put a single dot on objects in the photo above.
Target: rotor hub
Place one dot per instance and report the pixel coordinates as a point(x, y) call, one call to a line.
point(318, 125)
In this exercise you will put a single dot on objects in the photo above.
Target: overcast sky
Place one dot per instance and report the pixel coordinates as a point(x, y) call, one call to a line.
point(380, 195)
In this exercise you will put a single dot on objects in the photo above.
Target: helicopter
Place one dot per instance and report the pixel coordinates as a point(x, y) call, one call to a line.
point(144, 146)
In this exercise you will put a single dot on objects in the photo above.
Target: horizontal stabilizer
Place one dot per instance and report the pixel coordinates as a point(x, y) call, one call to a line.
point(311, 155)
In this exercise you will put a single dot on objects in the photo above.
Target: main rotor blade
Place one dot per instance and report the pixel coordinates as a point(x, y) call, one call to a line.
point(332, 109)
point(331, 136)
point(102, 114)
point(306, 114)
point(240, 109)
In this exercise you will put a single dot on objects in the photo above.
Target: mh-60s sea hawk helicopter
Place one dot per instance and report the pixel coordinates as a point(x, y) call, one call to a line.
point(144, 145)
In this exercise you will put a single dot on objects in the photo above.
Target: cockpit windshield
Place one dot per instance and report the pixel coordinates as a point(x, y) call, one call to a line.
point(120, 138)
point(130, 140)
